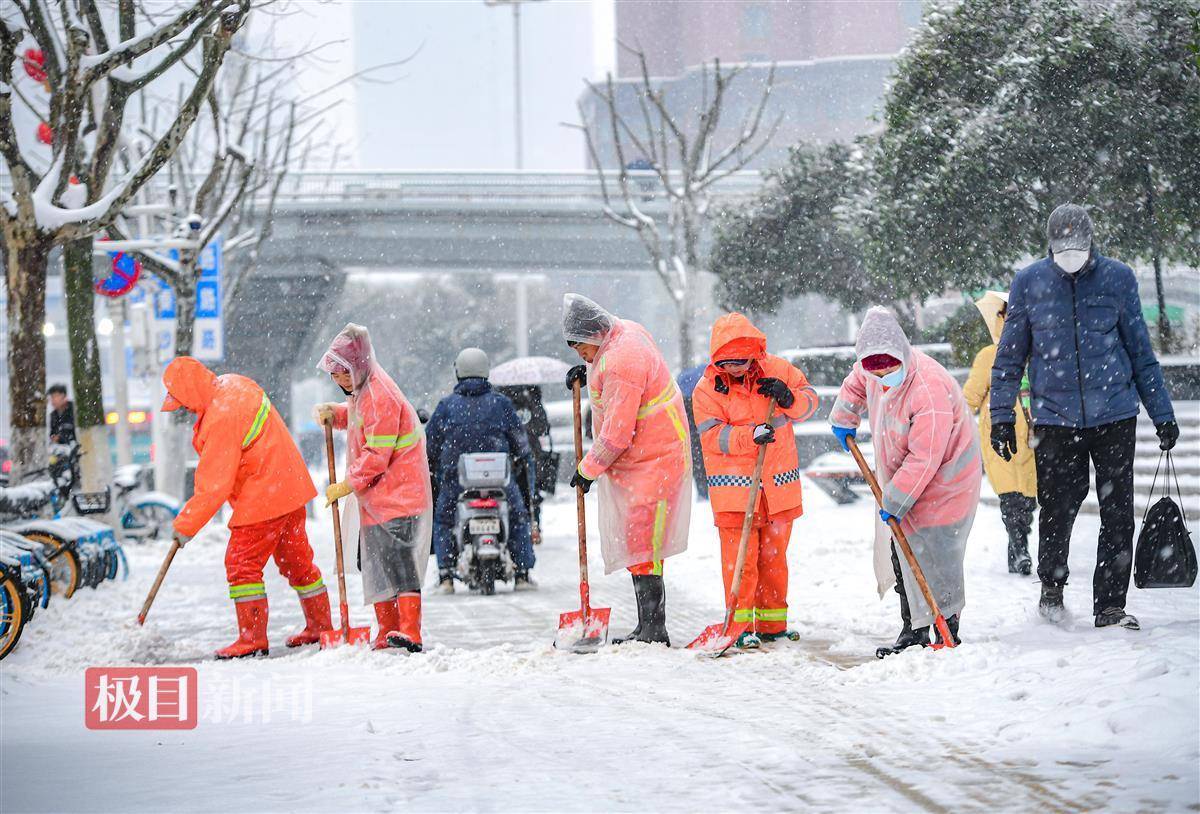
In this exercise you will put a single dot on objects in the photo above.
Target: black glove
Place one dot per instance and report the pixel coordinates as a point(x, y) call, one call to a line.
point(1168, 434)
point(577, 374)
point(778, 390)
point(764, 434)
point(1004, 440)
point(578, 481)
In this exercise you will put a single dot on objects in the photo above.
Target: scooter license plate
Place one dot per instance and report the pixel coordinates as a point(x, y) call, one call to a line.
point(485, 525)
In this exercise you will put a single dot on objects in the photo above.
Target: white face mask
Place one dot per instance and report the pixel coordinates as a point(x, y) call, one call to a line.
point(1072, 260)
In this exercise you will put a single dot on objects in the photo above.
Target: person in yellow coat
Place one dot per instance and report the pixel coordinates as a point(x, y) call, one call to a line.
point(1015, 481)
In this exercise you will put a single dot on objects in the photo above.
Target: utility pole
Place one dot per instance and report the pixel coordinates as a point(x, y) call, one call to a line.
point(518, 134)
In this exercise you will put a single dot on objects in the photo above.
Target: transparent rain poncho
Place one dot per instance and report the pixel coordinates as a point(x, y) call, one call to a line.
point(641, 455)
point(391, 510)
point(585, 321)
point(927, 460)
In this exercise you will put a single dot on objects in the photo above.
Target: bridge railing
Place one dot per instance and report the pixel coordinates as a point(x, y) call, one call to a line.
point(466, 186)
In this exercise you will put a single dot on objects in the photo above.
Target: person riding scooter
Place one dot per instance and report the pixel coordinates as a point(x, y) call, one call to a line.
point(475, 418)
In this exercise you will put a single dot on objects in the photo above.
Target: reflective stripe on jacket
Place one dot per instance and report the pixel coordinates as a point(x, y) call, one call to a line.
point(726, 412)
point(247, 455)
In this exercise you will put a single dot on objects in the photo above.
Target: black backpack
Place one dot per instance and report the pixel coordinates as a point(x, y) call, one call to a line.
point(1165, 557)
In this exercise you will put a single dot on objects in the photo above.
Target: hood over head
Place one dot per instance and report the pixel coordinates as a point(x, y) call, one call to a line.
point(735, 337)
point(881, 333)
point(584, 321)
point(189, 384)
point(350, 351)
point(990, 305)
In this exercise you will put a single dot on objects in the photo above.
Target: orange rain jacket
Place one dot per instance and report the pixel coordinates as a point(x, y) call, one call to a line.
point(247, 455)
point(726, 412)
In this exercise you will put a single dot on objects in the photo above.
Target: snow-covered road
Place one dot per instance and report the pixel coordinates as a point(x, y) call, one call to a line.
point(1024, 716)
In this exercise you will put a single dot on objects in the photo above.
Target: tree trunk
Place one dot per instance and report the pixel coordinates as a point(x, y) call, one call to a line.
point(96, 463)
point(26, 259)
point(1164, 325)
point(185, 314)
point(686, 317)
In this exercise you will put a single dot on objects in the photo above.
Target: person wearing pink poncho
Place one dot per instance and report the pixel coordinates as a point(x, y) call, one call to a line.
point(388, 475)
point(928, 463)
point(641, 454)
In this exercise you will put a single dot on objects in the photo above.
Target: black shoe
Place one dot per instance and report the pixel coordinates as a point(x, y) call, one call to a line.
point(651, 596)
point(907, 638)
point(1050, 606)
point(445, 582)
point(790, 635)
point(523, 582)
point(1117, 616)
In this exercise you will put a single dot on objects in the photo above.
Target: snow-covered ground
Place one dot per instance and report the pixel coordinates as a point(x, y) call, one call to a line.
point(1023, 717)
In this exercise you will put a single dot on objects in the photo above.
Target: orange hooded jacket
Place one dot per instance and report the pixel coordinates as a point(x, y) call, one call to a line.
point(726, 412)
point(247, 455)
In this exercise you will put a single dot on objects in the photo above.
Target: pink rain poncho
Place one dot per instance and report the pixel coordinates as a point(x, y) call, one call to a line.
point(926, 458)
point(387, 468)
point(641, 456)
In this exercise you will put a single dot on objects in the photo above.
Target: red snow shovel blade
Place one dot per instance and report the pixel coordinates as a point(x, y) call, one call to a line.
point(582, 631)
point(350, 636)
point(946, 640)
point(716, 639)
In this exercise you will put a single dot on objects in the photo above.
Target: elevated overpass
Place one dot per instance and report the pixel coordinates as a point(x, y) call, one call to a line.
point(330, 224)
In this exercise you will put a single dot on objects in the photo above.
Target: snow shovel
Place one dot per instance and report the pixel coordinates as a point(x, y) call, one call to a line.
point(939, 621)
point(158, 580)
point(345, 634)
point(584, 630)
point(716, 639)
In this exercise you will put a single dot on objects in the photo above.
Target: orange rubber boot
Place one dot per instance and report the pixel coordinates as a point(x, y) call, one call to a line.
point(408, 632)
point(252, 631)
point(316, 620)
point(388, 616)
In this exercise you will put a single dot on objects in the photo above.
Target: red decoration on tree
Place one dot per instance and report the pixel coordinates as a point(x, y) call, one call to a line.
point(44, 134)
point(34, 62)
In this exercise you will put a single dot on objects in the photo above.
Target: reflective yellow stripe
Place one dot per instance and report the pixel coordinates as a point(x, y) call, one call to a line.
point(743, 615)
point(393, 441)
point(660, 528)
point(662, 398)
point(771, 614)
point(248, 589)
point(680, 430)
point(312, 587)
point(260, 420)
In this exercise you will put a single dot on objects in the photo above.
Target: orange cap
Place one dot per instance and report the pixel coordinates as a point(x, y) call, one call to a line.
point(170, 403)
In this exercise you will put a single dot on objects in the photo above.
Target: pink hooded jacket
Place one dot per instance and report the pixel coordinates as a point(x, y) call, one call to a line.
point(927, 460)
point(386, 463)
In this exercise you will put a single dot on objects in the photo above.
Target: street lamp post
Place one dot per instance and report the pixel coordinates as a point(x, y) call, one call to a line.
point(518, 136)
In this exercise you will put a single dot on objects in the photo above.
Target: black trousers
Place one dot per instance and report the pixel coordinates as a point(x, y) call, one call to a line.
point(1062, 455)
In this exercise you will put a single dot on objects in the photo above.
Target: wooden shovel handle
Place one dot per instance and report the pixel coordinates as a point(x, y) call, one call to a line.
point(580, 510)
point(337, 528)
point(894, 525)
point(158, 580)
point(748, 520)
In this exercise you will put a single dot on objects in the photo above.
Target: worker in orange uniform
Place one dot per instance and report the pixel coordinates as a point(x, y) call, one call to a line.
point(730, 404)
point(247, 457)
point(640, 453)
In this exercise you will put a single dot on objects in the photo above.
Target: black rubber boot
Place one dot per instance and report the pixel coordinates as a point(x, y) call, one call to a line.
point(908, 637)
point(651, 595)
point(633, 635)
point(1016, 511)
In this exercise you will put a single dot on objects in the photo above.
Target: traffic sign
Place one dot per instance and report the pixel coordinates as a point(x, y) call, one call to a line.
point(125, 269)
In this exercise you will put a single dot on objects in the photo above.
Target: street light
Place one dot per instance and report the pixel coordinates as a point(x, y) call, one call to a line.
point(516, 10)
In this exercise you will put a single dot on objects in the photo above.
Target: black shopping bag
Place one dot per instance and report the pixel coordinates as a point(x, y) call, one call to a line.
point(1165, 556)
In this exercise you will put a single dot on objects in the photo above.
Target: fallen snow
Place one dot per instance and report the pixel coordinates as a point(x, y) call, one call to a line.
point(1024, 716)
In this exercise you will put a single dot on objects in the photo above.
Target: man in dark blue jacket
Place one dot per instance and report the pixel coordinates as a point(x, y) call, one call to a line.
point(1076, 319)
point(475, 418)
